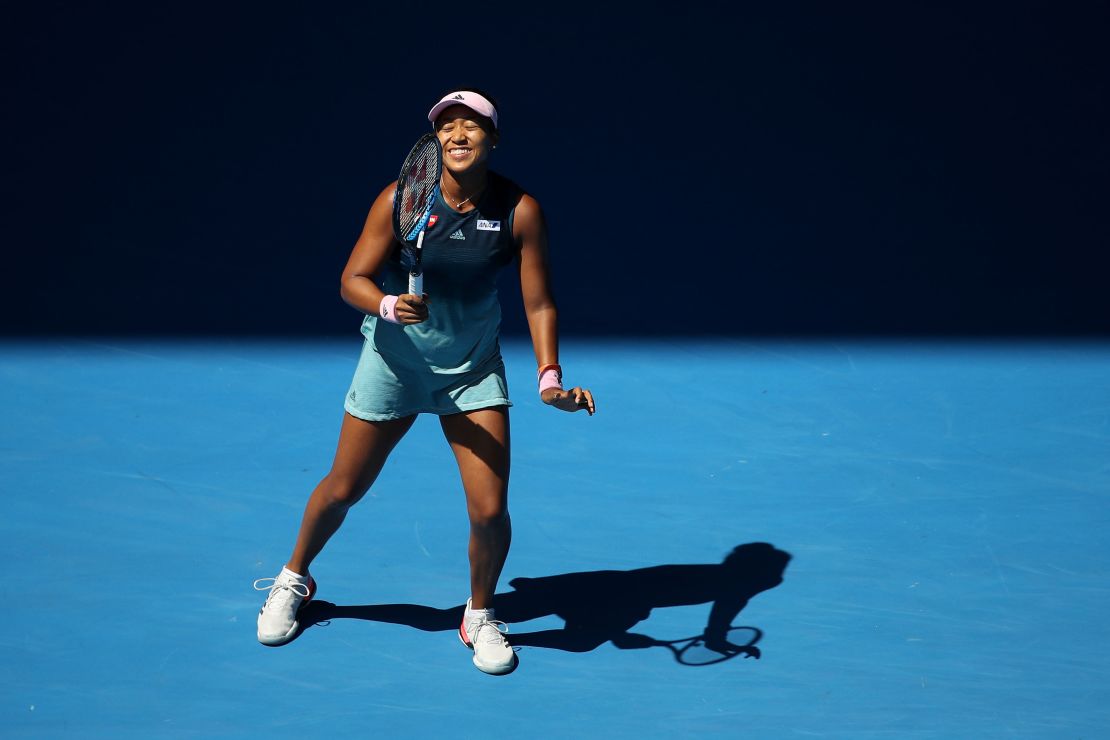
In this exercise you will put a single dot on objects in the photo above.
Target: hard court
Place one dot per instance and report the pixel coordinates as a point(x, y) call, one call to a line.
point(936, 511)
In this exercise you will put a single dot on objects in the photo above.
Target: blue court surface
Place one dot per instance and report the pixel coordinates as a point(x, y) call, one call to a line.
point(915, 536)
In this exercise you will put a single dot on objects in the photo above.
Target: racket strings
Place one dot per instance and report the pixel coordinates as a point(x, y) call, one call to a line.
point(417, 182)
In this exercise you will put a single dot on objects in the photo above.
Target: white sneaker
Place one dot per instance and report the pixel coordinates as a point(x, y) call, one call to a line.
point(486, 637)
point(277, 620)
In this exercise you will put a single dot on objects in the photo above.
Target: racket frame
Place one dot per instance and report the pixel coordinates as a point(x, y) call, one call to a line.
point(686, 655)
point(416, 232)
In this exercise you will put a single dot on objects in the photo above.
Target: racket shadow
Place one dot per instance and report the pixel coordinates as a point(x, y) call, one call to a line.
point(603, 606)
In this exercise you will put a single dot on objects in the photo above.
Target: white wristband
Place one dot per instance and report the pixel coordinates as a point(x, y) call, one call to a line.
point(388, 309)
point(551, 376)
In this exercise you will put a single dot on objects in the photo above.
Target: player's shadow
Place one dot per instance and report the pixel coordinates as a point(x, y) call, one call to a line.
point(600, 606)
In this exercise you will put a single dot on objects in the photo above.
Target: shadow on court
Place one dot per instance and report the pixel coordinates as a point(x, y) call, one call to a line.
point(604, 605)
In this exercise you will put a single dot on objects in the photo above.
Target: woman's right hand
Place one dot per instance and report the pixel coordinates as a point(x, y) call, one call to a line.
point(411, 309)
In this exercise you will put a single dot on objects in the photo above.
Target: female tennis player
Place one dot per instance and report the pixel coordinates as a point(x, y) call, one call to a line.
point(438, 353)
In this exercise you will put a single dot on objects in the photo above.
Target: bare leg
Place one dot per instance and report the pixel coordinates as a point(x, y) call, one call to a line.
point(480, 441)
point(362, 451)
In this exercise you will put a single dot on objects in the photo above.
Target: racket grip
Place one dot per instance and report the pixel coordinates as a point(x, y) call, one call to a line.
point(416, 276)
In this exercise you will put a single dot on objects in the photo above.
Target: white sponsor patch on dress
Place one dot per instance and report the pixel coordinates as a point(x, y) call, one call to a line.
point(489, 225)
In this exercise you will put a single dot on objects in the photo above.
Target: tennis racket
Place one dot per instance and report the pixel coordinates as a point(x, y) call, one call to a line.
point(737, 641)
point(702, 649)
point(417, 190)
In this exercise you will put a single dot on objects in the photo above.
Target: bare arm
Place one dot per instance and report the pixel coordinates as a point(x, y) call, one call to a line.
point(357, 286)
point(535, 287)
point(539, 305)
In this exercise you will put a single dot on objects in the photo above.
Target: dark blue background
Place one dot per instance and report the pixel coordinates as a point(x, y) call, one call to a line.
point(803, 168)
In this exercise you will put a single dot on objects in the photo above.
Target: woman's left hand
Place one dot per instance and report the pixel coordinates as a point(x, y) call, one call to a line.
point(571, 400)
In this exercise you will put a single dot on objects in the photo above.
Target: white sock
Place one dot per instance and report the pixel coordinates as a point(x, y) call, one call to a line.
point(472, 614)
point(303, 580)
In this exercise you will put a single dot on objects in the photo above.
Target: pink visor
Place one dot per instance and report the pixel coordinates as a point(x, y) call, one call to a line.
point(471, 100)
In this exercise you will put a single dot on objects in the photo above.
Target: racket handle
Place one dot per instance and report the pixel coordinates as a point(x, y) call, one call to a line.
point(416, 277)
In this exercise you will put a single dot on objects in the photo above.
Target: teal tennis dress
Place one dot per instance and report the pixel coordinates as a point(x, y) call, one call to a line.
point(451, 362)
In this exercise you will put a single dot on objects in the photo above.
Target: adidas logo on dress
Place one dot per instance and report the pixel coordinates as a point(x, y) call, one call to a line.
point(457, 235)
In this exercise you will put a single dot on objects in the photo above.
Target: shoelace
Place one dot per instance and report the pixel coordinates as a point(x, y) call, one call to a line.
point(497, 635)
point(281, 589)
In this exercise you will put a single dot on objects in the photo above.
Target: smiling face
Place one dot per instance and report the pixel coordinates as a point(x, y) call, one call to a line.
point(466, 138)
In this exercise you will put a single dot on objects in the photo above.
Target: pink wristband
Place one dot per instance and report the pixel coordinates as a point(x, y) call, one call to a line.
point(388, 309)
point(551, 377)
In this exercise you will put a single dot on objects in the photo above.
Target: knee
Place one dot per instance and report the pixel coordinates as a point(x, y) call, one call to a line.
point(340, 491)
point(488, 514)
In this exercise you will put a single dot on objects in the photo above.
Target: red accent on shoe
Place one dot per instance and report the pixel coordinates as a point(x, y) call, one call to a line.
point(462, 632)
point(311, 592)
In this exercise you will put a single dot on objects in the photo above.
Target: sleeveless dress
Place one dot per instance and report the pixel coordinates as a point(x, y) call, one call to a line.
point(451, 362)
